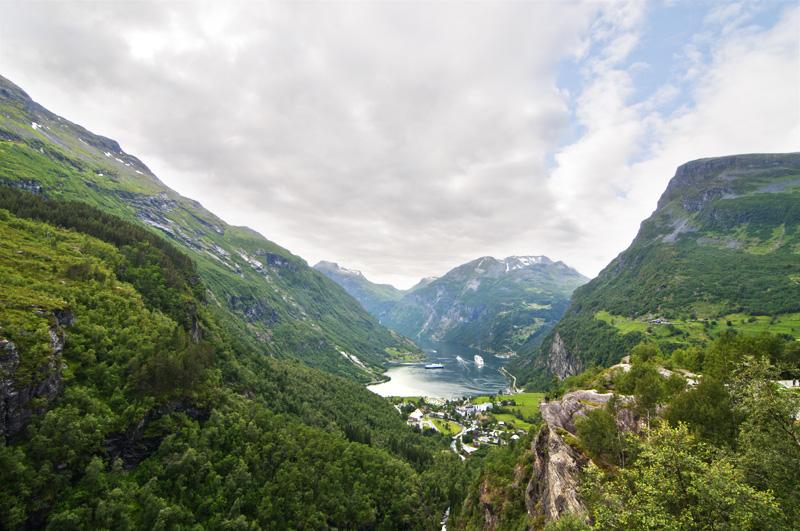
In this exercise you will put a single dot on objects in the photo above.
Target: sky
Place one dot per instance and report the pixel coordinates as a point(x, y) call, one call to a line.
point(405, 138)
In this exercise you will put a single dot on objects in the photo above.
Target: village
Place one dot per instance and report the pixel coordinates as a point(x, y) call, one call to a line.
point(474, 422)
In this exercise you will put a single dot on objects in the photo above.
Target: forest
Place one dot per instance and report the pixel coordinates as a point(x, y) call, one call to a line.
point(164, 419)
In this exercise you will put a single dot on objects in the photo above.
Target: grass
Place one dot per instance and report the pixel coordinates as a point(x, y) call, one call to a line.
point(512, 421)
point(447, 427)
point(404, 356)
point(788, 323)
point(527, 404)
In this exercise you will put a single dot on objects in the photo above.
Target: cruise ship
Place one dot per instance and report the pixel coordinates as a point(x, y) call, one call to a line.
point(434, 366)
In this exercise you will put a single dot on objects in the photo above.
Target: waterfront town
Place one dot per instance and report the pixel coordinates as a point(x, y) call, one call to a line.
point(473, 422)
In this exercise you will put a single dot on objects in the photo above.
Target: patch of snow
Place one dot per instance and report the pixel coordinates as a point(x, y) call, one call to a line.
point(83, 141)
point(159, 226)
point(140, 173)
point(518, 262)
point(255, 264)
point(35, 126)
point(107, 154)
point(353, 359)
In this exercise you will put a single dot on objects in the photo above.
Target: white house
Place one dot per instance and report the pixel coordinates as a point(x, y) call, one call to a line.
point(415, 417)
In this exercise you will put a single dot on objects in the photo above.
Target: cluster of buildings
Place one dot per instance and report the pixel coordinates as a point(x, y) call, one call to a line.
point(470, 410)
point(478, 426)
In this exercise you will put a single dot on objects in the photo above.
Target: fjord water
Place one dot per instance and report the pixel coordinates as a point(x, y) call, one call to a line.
point(460, 376)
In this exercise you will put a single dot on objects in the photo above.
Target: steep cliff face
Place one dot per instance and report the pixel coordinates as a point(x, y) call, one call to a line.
point(723, 245)
point(560, 360)
point(19, 401)
point(552, 489)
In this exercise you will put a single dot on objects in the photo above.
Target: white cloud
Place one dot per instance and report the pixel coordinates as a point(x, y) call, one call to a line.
point(406, 138)
point(745, 100)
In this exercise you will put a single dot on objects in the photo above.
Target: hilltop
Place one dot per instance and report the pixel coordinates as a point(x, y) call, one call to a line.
point(720, 252)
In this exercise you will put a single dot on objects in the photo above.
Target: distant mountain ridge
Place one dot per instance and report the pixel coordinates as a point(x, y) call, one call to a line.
point(276, 301)
point(495, 305)
point(375, 298)
point(721, 251)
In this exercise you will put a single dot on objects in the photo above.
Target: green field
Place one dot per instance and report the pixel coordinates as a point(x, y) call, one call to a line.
point(447, 427)
point(527, 404)
point(513, 421)
point(788, 323)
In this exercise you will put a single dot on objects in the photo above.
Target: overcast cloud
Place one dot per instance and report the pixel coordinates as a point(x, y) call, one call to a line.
point(403, 138)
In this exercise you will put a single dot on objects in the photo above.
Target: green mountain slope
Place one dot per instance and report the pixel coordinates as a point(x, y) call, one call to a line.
point(377, 299)
point(721, 251)
point(495, 305)
point(125, 403)
point(278, 303)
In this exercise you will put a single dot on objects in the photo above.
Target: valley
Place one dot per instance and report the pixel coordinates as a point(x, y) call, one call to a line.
point(163, 369)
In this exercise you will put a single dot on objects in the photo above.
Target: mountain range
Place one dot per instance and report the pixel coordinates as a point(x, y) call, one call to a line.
point(495, 305)
point(277, 302)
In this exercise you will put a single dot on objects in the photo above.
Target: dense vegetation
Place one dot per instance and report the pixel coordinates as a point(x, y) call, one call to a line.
point(722, 247)
point(726, 453)
point(721, 454)
point(497, 480)
point(271, 297)
point(163, 423)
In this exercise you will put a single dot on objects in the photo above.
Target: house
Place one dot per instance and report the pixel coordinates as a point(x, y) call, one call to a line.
point(415, 417)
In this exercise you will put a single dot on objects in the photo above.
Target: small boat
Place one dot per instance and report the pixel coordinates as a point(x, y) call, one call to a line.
point(434, 366)
point(478, 361)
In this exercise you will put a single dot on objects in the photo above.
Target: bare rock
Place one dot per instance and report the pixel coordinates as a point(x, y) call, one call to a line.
point(560, 361)
point(552, 489)
point(18, 403)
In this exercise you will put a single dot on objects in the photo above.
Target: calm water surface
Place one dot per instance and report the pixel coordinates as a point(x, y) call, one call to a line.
point(460, 376)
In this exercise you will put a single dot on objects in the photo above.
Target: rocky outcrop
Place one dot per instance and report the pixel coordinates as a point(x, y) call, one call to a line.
point(560, 361)
point(487, 507)
point(552, 489)
point(18, 403)
point(492, 501)
point(276, 261)
point(703, 180)
point(253, 309)
point(134, 445)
